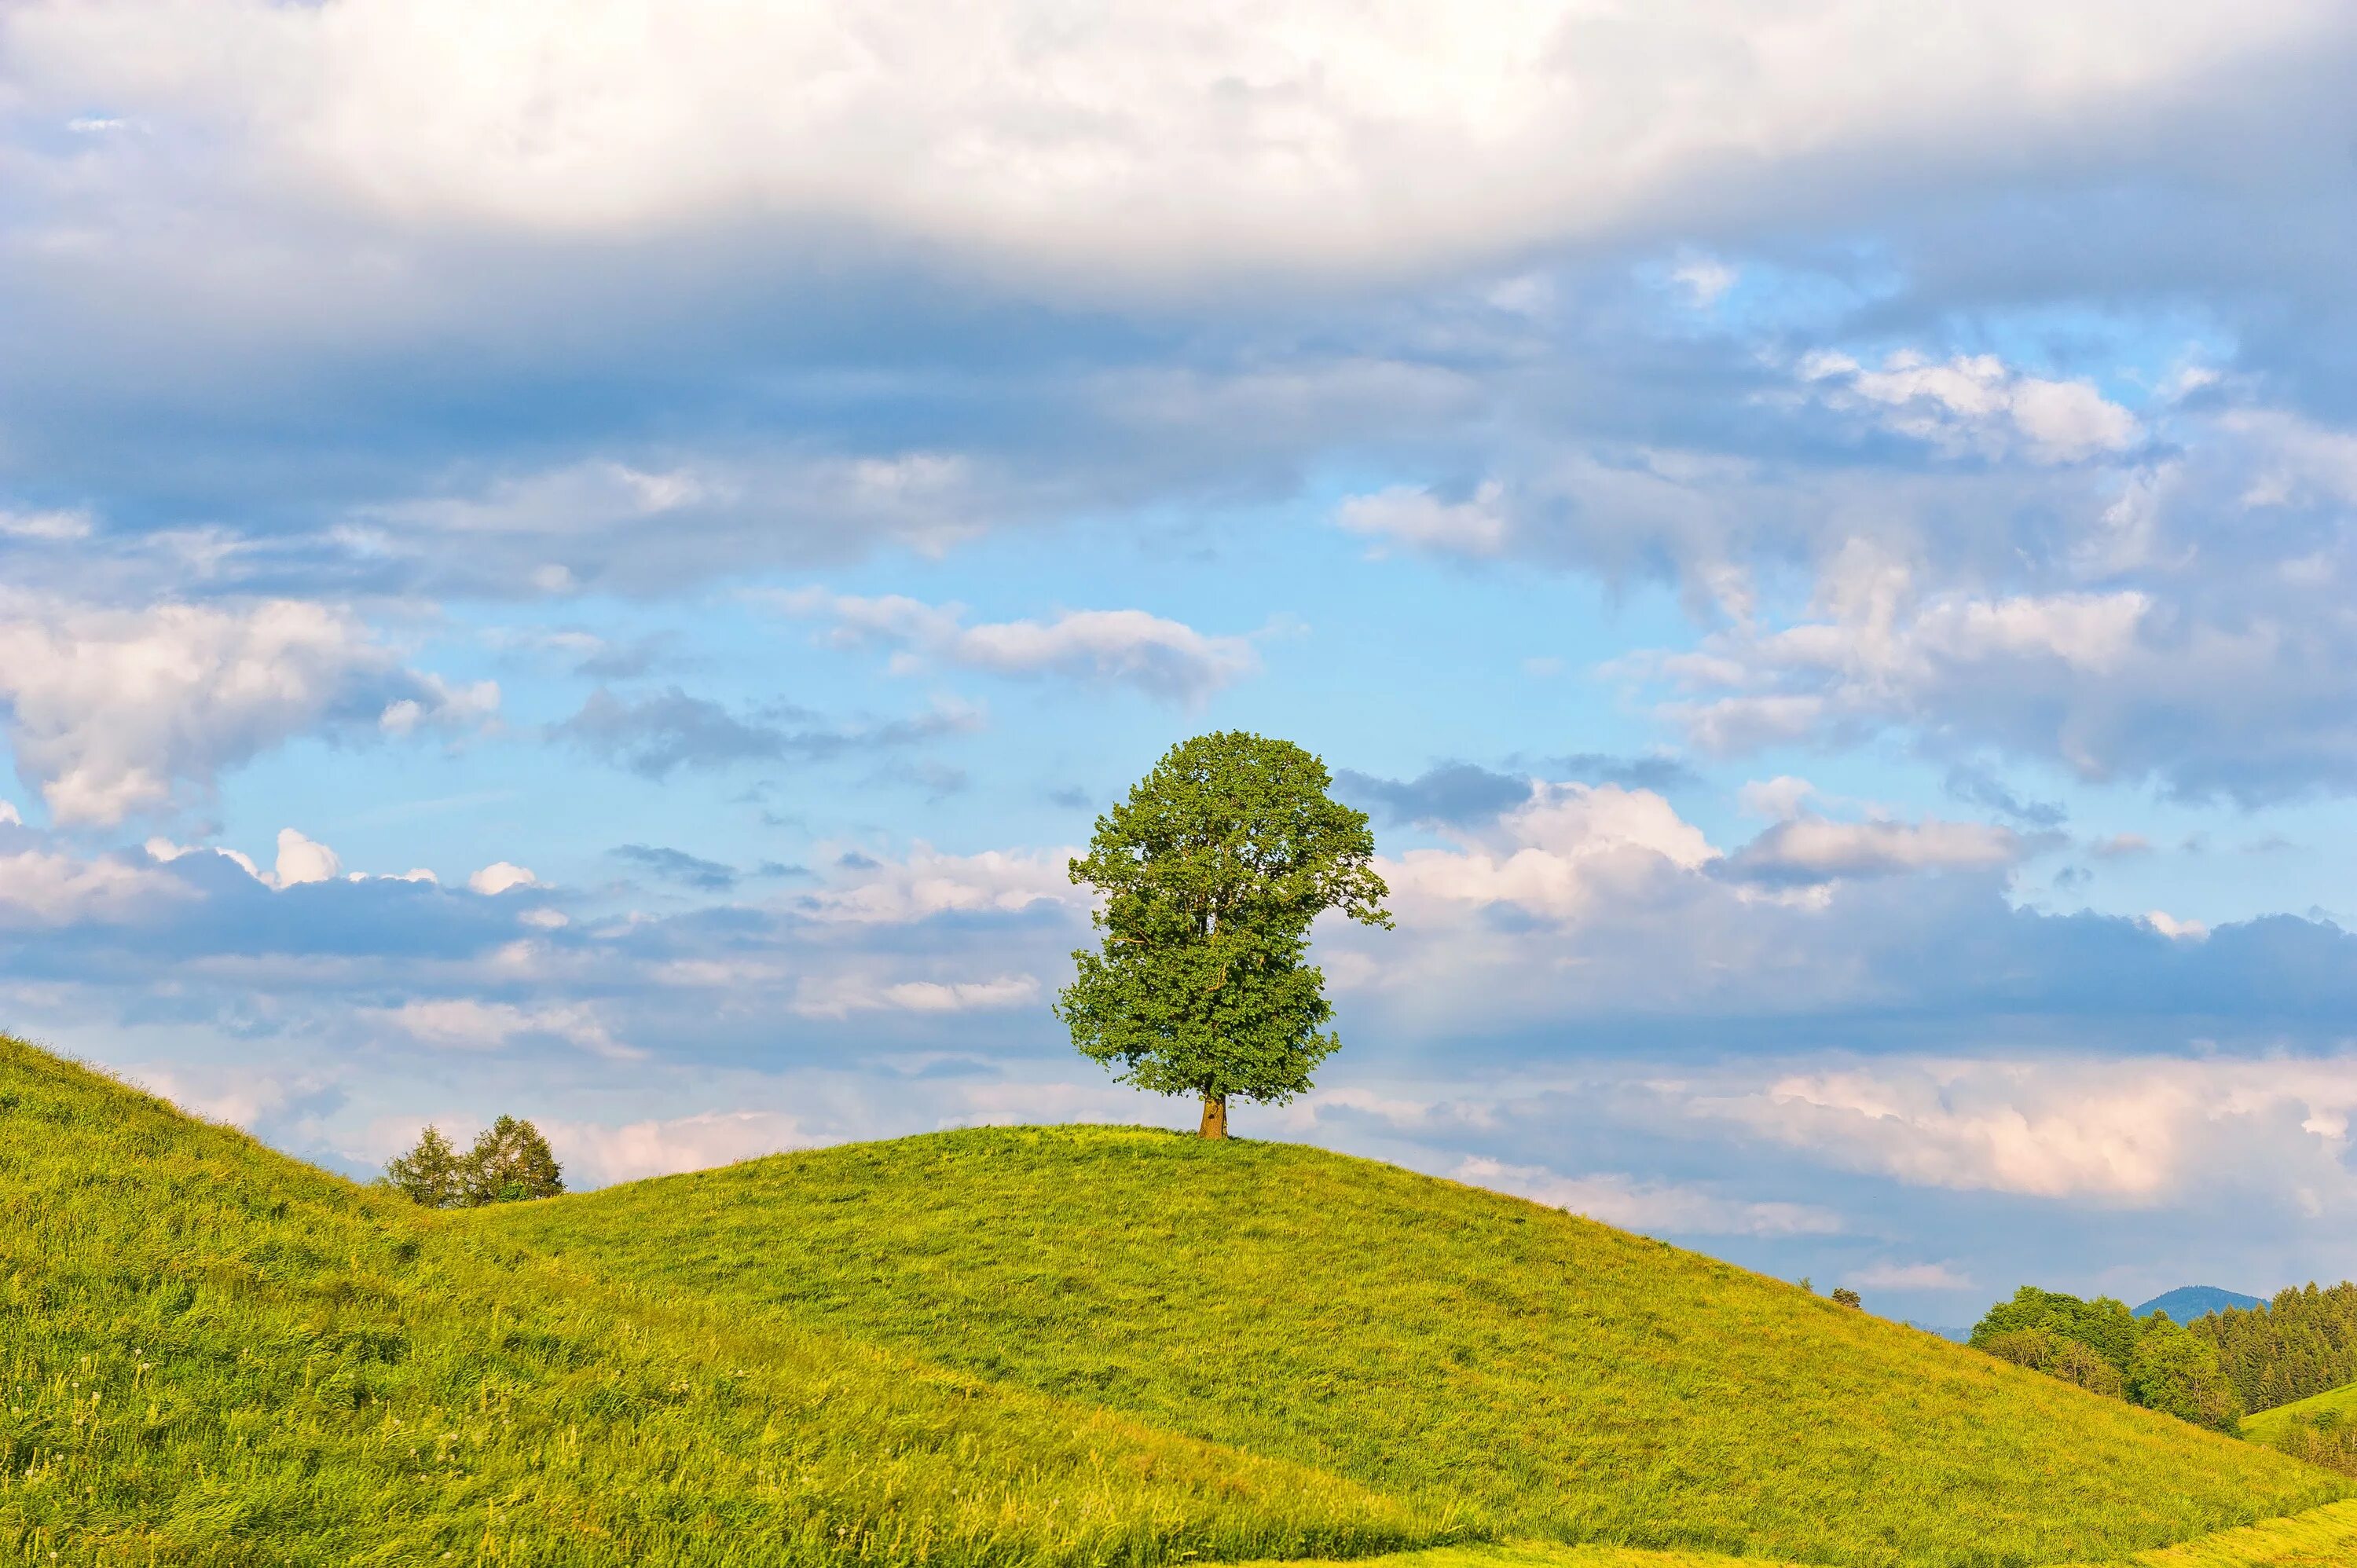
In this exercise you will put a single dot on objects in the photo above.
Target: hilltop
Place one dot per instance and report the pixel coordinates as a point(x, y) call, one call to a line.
point(1044, 1348)
point(1532, 1373)
point(2186, 1303)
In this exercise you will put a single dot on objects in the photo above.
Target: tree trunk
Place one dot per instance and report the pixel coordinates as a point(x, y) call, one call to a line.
point(1215, 1116)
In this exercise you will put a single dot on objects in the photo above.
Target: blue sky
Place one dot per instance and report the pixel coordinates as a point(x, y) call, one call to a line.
point(1823, 547)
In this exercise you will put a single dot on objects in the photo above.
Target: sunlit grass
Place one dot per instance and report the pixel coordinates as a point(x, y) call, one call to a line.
point(2324, 1538)
point(1549, 1376)
point(1035, 1348)
point(213, 1354)
point(2268, 1425)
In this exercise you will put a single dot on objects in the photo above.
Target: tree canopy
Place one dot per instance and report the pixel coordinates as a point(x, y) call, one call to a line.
point(1212, 872)
point(2301, 1342)
point(2102, 1346)
point(509, 1162)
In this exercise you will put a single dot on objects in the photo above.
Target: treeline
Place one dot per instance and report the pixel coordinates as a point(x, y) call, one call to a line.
point(2103, 1347)
point(2301, 1342)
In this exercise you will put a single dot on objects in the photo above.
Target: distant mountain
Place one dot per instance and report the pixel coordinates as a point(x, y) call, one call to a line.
point(2186, 1303)
point(1944, 1330)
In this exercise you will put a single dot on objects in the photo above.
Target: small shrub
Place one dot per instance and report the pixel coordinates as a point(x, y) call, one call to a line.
point(1845, 1297)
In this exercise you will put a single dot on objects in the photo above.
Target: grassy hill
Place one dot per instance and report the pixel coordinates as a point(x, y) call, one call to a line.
point(1539, 1374)
point(211, 1353)
point(1033, 1347)
point(2268, 1423)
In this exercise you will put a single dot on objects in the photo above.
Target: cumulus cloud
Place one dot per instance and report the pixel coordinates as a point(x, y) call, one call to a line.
point(301, 859)
point(1144, 144)
point(49, 887)
point(1568, 847)
point(114, 713)
point(502, 876)
point(1668, 1208)
point(1162, 658)
point(1977, 404)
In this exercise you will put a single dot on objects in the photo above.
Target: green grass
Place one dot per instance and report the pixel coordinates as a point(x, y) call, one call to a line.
point(1066, 1349)
point(2270, 1425)
point(210, 1353)
point(2321, 1538)
point(2320, 1429)
point(1542, 1375)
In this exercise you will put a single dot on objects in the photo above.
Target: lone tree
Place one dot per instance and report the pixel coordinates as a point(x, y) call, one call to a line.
point(1212, 871)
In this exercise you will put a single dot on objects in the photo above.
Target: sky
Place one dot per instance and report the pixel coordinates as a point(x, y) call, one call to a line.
point(594, 559)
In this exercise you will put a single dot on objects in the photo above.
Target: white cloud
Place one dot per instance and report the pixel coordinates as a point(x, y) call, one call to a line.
point(1143, 141)
point(1975, 403)
point(1415, 519)
point(302, 860)
point(2170, 926)
point(1650, 1206)
point(164, 850)
point(44, 887)
point(8, 816)
point(499, 877)
point(1815, 849)
point(1909, 1276)
point(927, 883)
point(1704, 279)
point(113, 712)
point(1164, 658)
point(466, 1024)
point(1779, 799)
point(594, 1156)
point(441, 705)
point(1556, 854)
point(2127, 1132)
point(239, 1096)
point(47, 527)
point(839, 995)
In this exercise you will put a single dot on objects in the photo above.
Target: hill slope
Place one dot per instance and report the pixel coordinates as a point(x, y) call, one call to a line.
point(213, 1354)
point(2186, 1303)
point(1539, 1373)
point(2268, 1423)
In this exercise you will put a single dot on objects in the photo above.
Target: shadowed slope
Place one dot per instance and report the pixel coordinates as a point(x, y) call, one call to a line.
point(1440, 1343)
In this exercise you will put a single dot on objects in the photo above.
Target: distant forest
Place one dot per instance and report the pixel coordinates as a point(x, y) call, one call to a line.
point(2301, 1342)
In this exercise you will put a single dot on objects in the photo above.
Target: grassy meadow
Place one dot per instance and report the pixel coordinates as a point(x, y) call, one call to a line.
point(1540, 1374)
point(213, 1354)
point(1031, 1348)
point(2320, 1429)
point(2268, 1425)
